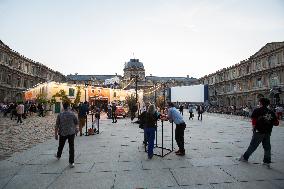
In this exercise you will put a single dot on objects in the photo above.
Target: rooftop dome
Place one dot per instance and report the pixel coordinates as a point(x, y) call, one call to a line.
point(133, 63)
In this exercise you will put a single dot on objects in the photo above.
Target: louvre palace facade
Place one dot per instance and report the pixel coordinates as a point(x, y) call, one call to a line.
point(18, 73)
point(261, 75)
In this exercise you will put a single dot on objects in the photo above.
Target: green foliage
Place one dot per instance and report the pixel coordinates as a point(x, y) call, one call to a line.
point(78, 96)
point(42, 98)
point(160, 102)
point(131, 102)
point(63, 96)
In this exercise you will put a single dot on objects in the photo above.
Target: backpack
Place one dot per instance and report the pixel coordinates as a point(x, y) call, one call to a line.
point(264, 122)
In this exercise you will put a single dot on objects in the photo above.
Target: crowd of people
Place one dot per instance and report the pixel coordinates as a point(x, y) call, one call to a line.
point(68, 124)
point(20, 110)
point(245, 111)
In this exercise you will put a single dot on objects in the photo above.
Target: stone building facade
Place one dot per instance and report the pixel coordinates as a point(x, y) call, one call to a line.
point(18, 73)
point(261, 75)
point(135, 68)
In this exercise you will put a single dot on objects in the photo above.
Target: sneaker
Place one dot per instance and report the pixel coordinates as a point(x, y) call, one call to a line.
point(150, 156)
point(267, 165)
point(55, 155)
point(242, 159)
point(71, 165)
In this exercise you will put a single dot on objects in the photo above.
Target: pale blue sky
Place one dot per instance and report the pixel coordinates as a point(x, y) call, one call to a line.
point(170, 37)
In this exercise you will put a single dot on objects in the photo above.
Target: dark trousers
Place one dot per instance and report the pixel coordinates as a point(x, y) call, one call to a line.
point(179, 136)
point(190, 115)
point(62, 140)
point(150, 133)
point(258, 138)
point(19, 118)
point(199, 116)
point(113, 118)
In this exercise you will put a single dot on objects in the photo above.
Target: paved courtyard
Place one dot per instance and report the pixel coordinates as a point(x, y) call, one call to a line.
point(115, 158)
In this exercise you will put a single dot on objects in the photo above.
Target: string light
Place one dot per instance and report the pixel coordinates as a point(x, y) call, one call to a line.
point(158, 87)
point(128, 84)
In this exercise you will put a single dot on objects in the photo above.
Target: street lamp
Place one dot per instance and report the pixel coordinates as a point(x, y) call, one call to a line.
point(136, 88)
point(86, 87)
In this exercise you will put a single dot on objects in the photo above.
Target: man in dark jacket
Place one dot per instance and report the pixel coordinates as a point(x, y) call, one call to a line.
point(113, 114)
point(66, 127)
point(263, 120)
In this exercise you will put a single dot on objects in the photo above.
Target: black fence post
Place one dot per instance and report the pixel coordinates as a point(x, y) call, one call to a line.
point(86, 118)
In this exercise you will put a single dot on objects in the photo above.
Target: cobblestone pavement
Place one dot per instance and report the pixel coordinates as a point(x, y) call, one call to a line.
point(115, 159)
point(18, 137)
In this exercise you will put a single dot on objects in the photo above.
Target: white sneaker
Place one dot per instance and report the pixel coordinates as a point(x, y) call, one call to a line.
point(242, 159)
point(55, 155)
point(71, 165)
point(267, 165)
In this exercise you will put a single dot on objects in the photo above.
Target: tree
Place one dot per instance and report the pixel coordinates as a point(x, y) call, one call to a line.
point(42, 98)
point(63, 96)
point(160, 102)
point(78, 96)
point(131, 102)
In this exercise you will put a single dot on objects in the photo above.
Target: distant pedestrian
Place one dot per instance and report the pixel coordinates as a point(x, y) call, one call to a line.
point(13, 108)
point(190, 110)
point(181, 109)
point(279, 112)
point(176, 117)
point(263, 120)
point(20, 111)
point(113, 112)
point(200, 112)
point(40, 110)
point(66, 127)
point(82, 115)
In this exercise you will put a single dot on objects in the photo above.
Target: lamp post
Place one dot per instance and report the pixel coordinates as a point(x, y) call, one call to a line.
point(136, 89)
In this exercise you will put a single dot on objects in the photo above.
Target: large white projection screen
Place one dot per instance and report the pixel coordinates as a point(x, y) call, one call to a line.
point(193, 93)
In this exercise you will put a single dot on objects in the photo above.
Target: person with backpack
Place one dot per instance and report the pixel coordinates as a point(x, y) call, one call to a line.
point(149, 121)
point(263, 121)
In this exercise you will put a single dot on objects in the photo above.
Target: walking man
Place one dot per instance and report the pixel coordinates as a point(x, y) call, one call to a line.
point(113, 114)
point(82, 115)
point(176, 117)
point(263, 120)
point(66, 127)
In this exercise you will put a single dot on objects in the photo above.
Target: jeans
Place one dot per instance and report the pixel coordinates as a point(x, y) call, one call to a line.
point(179, 136)
point(258, 138)
point(62, 140)
point(150, 133)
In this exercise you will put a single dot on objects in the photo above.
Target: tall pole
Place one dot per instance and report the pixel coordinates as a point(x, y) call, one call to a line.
point(85, 93)
point(136, 88)
point(155, 94)
point(164, 94)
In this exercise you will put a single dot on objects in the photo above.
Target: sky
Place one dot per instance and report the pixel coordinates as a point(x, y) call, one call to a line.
point(170, 37)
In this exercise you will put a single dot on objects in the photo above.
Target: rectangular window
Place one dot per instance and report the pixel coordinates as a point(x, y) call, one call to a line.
point(71, 92)
point(259, 82)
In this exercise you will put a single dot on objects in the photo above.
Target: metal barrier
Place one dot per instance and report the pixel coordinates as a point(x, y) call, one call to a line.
point(98, 123)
